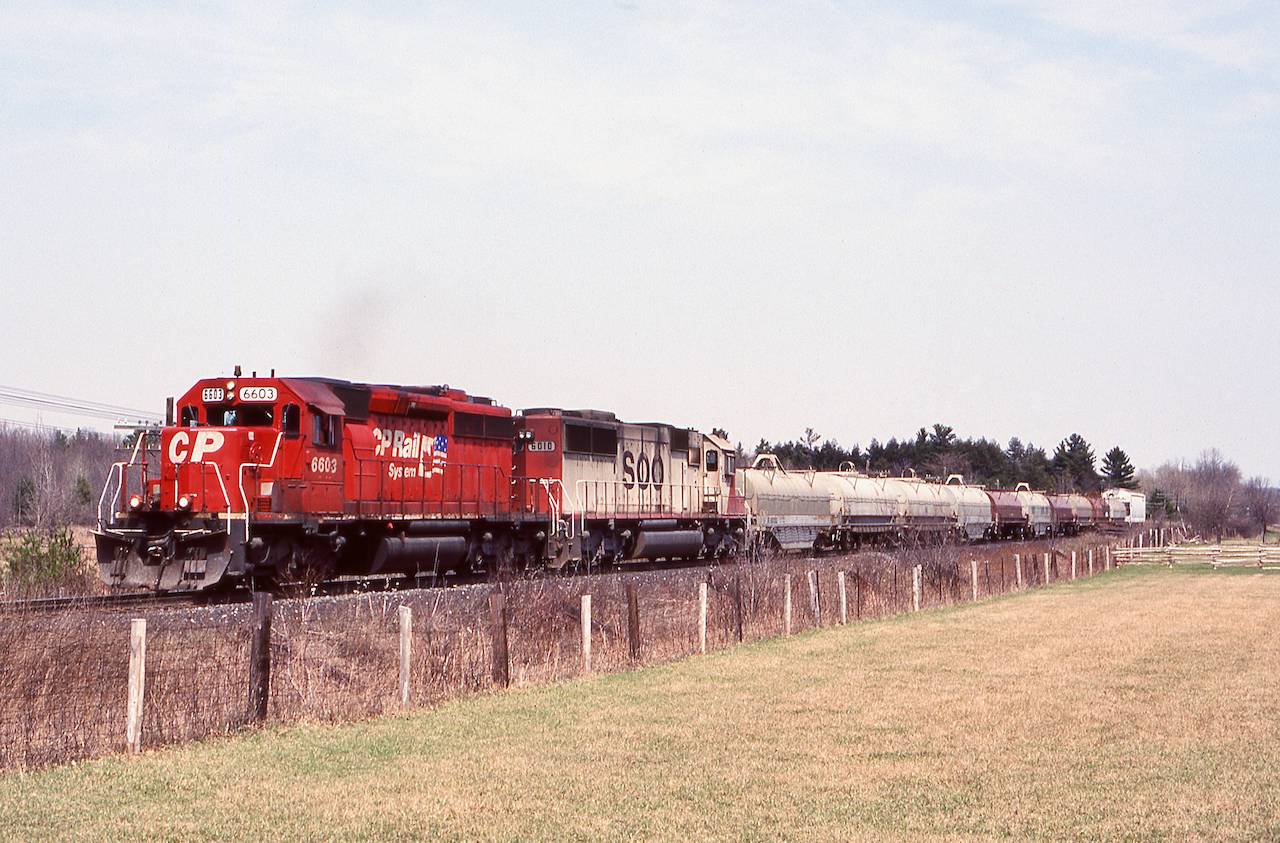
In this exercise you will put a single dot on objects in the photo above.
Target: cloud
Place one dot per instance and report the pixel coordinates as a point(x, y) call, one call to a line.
point(1236, 33)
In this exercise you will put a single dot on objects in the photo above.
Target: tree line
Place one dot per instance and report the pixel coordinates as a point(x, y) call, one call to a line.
point(49, 479)
point(938, 452)
point(1212, 496)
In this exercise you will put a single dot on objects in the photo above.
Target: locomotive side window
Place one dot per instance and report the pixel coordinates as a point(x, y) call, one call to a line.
point(585, 439)
point(190, 416)
point(325, 430)
point(713, 461)
point(291, 421)
point(577, 437)
point(604, 441)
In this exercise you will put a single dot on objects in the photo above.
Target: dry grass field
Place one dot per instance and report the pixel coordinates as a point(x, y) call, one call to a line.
point(1142, 704)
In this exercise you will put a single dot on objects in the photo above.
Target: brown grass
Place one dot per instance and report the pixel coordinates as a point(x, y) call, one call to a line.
point(1138, 706)
point(337, 659)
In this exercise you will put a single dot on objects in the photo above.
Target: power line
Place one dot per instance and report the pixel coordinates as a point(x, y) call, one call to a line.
point(32, 399)
point(46, 428)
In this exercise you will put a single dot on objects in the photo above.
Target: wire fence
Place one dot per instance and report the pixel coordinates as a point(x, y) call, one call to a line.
point(66, 676)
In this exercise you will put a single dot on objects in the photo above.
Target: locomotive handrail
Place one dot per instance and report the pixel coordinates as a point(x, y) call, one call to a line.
point(116, 467)
point(120, 468)
point(244, 497)
point(548, 484)
point(379, 500)
point(596, 504)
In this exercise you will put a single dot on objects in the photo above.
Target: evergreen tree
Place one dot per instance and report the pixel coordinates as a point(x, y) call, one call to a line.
point(943, 436)
point(1060, 466)
point(1117, 471)
point(1015, 452)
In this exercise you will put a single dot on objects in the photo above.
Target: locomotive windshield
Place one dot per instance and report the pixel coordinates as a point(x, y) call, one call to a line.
point(244, 415)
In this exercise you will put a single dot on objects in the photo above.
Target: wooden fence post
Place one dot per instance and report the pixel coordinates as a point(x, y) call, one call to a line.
point(973, 571)
point(260, 657)
point(406, 644)
point(815, 605)
point(586, 633)
point(844, 602)
point(786, 605)
point(915, 587)
point(1046, 569)
point(498, 632)
point(633, 621)
point(1017, 567)
point(702, 617)
point(1090, 561)
point(137, 684)
point(1106, 558)
point(1073, 564)
point(737, 602)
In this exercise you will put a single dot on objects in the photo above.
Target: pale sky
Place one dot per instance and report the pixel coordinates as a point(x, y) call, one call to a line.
point(1017, 218)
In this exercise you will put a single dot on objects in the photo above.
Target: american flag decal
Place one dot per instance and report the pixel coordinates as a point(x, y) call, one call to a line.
point(439, 454)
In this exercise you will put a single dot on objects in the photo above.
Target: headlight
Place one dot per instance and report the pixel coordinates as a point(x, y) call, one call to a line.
point(184, 502)
point(135, 502)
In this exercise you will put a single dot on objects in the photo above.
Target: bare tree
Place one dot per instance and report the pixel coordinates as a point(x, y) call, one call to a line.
point(1261, 502)
point(1214, 494)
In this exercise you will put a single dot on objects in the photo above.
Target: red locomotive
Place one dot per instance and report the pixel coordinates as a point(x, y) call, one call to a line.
point(272, 479)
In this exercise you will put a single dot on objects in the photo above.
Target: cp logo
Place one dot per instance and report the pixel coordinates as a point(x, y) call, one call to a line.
point(181, 446)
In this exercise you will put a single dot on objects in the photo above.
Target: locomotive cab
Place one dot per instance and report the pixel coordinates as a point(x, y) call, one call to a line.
point(240, 449)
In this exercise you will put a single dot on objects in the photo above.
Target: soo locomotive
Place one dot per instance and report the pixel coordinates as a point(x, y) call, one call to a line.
point(274, 479)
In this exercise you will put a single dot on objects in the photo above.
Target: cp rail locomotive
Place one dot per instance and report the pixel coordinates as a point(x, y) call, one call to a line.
point(267, 480)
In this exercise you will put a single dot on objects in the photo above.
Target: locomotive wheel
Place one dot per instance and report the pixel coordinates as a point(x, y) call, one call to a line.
point(309, 564)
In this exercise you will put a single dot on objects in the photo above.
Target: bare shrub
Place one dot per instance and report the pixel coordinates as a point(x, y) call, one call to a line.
point(338, 658)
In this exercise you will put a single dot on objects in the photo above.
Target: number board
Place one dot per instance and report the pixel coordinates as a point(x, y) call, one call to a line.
point(264, 394)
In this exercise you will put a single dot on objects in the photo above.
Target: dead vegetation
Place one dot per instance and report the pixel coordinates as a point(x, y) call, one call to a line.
point(334, 659)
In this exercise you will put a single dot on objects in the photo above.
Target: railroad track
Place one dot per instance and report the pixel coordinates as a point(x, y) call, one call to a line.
point(99, 601)
point(353, 585)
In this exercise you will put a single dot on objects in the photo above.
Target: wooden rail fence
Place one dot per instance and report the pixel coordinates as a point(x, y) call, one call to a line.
point(1217, 555)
